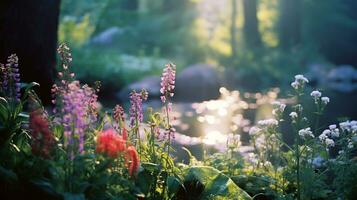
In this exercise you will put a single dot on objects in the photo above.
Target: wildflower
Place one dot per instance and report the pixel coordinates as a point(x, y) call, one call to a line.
point(133, 156)
point(325, 134)
point(335, 133)
point(168, 82)
point(42, 138)
point(340, 152)
point(293, 115)
point(268, 123)
point(316, 95)
point(295, 85)
point(332, 126)
point(110, 143)
point(345, 125)
point(301, 78)
point(10, 78)
point(300, 81)
point(254, 130)
point(350, 145)
point(278, 108)
point(170, 133)
point(136, 107)
point(306, 132)
point(118, 113)
point(329, 142)
point(325, 100)
point(77, 113)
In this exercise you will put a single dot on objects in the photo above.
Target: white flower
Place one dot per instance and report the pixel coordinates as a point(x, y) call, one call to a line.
point(301, 78)
point(350, 145)
point(295, 85)
point(329, 142)
point(327, 132)
point(325, 100)
point(268, 122)
point(324, 135)
point(345, 125)
point(335, 133)
point(278, 107)
point(306, 132)
point(332, 126)
point(293, 115)
point(341, 152)
point(316, 95)
point(254, 130)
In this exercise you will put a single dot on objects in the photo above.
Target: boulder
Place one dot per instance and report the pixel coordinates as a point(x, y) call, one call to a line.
point(197, 83)
point(150, 83)
point(342, 79)
point(107, 36)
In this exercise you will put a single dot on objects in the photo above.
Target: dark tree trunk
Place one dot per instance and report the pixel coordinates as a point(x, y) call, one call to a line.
point(233, 27)
point(290, 23)
point(251, 31)
point(29, 29)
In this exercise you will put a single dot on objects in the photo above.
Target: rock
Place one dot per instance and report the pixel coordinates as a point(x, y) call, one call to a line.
point(151, 84)
point(197, 83)
point(342, 79)
point(107, 36)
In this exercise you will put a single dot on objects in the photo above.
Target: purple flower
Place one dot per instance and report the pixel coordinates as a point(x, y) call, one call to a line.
point(78, 112)
point(118, 113)
point(10, 83)
point(168, 82)
point(136, 107)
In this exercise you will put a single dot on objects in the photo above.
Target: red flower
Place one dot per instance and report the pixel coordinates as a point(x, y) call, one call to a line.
point(110, 143)
point(133, 156)
point(42, 138)
point(113, 144)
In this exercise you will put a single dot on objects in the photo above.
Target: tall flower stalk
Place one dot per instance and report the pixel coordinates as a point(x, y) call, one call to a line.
point(10, 78)
point(136, 114)
point(76, 105)
point(167, 92)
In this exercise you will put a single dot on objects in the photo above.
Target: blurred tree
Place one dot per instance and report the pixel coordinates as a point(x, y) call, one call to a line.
point(29, 29)
point(251, 33)
point(234, 14)
point(290, 23)
point(331, 25)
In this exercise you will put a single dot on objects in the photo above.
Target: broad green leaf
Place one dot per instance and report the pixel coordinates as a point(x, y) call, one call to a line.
point(216, 184)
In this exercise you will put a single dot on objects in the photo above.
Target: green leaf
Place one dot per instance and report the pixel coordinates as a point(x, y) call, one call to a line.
point(216, 184)
point(173, 184)
point(28, 88)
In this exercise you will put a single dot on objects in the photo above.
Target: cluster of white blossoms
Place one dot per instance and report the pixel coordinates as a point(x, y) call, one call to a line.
point(268, 123)
point(293, 115)
point(325, 138)
point(325, 100)
point(254, 131)
point(278, 108)
point(299, 82)
point(316, 95)
point(349, 126)
point(306, 132)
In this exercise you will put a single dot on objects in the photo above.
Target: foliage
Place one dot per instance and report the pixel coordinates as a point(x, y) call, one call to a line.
point(80, 152)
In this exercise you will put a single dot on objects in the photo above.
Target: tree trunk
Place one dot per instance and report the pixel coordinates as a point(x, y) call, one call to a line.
point(290, 23)
point(29, 29)
point(234, 28)
point(251, 31)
